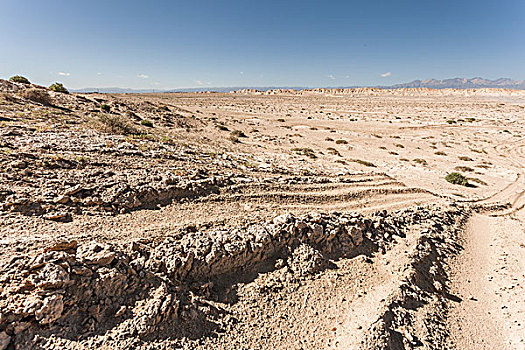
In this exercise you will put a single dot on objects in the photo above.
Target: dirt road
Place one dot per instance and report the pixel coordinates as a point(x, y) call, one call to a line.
point(489, 275)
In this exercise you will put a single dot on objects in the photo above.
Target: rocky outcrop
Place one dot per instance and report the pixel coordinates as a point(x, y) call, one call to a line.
point(77, 291)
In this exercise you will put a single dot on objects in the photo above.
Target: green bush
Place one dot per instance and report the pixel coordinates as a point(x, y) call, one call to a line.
point(457, 179)
point(58, 87)
point(105, 107)
point(147, 123)
point(19, 79)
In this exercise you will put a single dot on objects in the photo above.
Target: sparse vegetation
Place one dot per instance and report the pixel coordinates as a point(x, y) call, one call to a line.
point(464, 168)
point(420, 161)
point(115, 125)
point(398, 145)
point(341, 142)
point(58, 87)
point(105, 107)
point(333, 151)
point(440, 153)
point(147, 123)
point(305, 151)
point(281, 120)
point(37, 95)
point(237, 133)
point(363, 162)
point(19, 79)
point(457, 179)
point(465, 158)
point(483, 166)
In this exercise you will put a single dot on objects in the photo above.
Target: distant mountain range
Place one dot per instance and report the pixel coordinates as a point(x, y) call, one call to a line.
point(463, 83)
point(453, 83)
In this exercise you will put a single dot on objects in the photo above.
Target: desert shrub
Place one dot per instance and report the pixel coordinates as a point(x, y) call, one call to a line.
point(341, 142)
point(305, 151)
point(237, 133)
point(464, 168)
point(58, 87)
point(281, 120)
point(37, 95)
point(363, 162)
point(328, 139)
point(457, 179)
point(19, 79)
point(233, 138)
point(465, 158)
point(333, 151)
point(420, 161)
point(222, 127)
point(105, 107)
point(440, 153)
point(399, 145)
point(116, 125)
point(483, 166)
point(147, 123)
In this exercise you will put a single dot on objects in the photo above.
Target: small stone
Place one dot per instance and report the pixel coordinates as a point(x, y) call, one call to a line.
point(73, 190)
point(58, 216)
point(62, 246)
point(62, 199)
point(95, 254)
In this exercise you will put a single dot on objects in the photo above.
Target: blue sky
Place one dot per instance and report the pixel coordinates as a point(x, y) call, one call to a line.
point(170, 44)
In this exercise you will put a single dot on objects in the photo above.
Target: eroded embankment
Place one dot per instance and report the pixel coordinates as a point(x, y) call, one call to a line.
point(122, 295)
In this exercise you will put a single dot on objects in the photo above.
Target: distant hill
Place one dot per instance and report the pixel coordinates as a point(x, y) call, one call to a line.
point(117, 90)
point(453, 83)
point(463, 83)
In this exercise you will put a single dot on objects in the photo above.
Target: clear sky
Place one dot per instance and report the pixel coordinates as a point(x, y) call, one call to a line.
point(192, 43)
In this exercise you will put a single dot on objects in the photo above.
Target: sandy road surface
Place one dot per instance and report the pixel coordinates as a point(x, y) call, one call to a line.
point(489, 275)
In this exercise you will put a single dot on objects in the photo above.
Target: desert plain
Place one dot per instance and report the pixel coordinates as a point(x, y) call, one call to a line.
point(313, 219)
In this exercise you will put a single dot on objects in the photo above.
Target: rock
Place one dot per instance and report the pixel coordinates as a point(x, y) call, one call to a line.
point(18, 164)
point(63, 199)
point(73, 190)
point(58, 216)
point(4, 340)
point(62, 246)
point(51, 276)
point(51, 309)
point(95, 254)
point(306, 260)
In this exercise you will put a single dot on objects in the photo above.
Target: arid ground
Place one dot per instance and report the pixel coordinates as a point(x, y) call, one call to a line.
point(287, 220)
